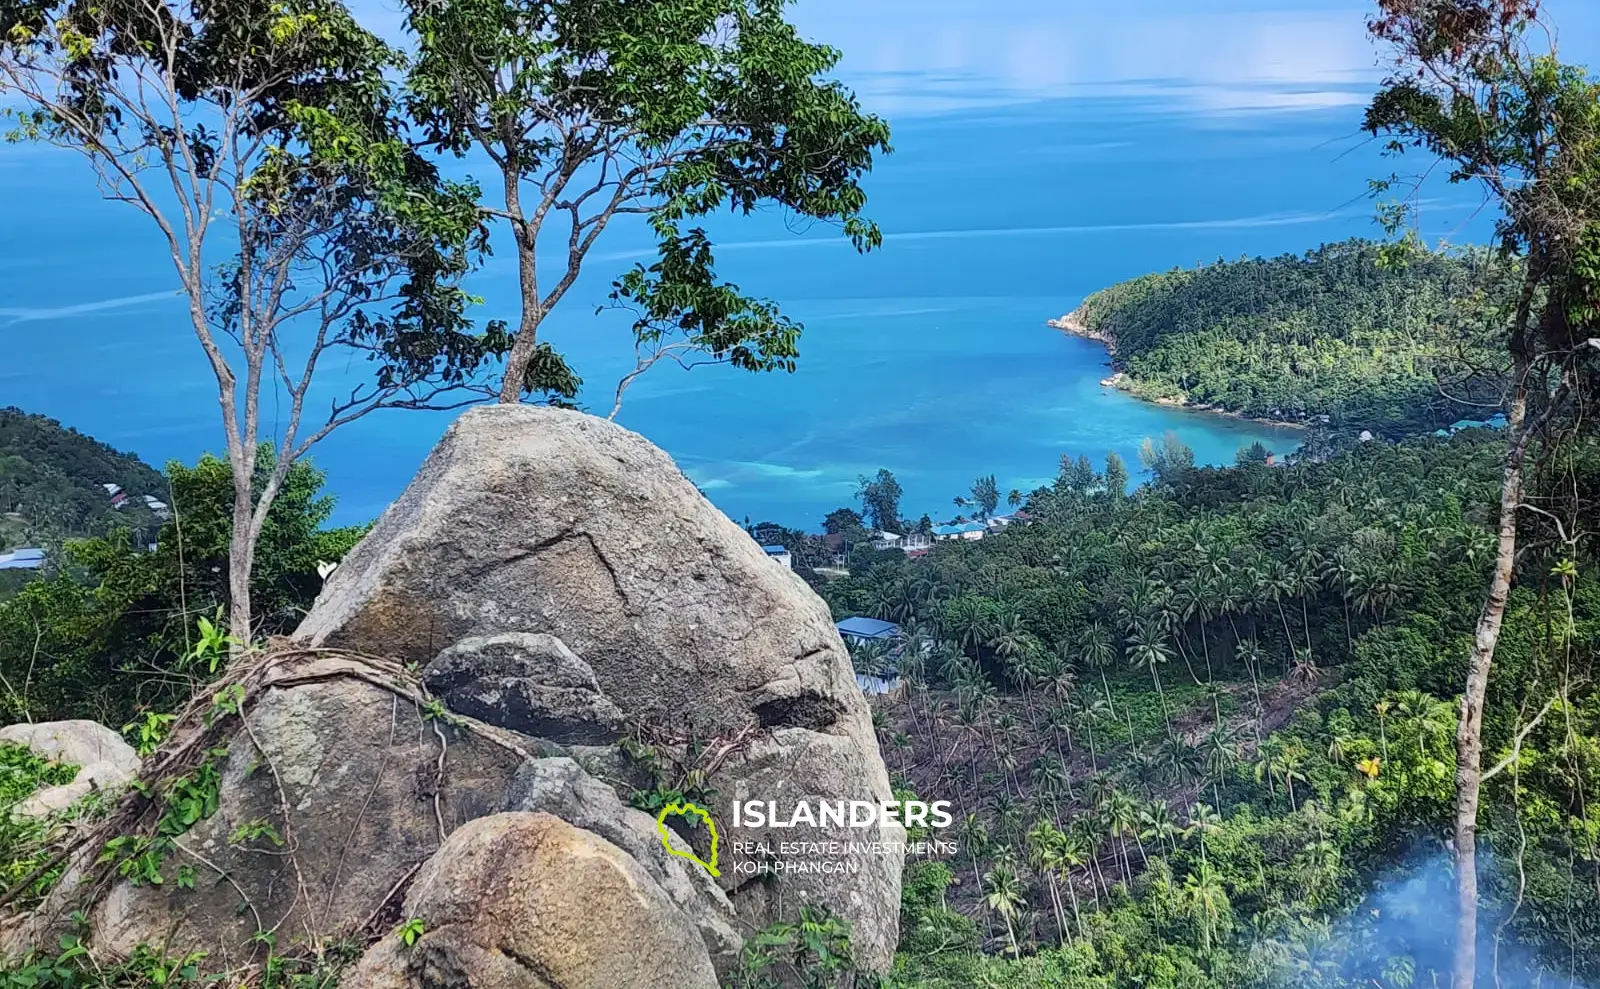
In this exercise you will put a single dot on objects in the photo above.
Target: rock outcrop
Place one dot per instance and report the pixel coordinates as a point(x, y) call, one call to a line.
point(561, 787)
point(105, 762)
point(528, 683)
point(550, 622)
point(332, 792)
point(547, 523)
point(527, 901)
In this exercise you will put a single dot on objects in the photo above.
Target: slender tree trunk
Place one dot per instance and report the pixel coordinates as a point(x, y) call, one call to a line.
point(1189, 665)
point(1469, 732)
point(1077, 914)
point(1288, 639)
point(1305, 624)
point(241, 559)
point(1061, 917)
point(523, 347)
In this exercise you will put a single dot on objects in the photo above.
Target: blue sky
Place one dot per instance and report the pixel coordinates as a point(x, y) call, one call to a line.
point(1207, 56)
point(1203, 55)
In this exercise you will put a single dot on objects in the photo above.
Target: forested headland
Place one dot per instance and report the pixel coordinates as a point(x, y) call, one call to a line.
point(1335, 336)
point(51, 481)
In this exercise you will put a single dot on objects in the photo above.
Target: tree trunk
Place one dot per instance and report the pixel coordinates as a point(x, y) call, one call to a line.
point(523, 347)
point(1061, 917)
point(1288, 639)
point(1077, 914)
point(1469, 732)
point(241, 559)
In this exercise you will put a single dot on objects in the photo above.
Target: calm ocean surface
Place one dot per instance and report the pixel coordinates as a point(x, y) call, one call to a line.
point(1005, 203)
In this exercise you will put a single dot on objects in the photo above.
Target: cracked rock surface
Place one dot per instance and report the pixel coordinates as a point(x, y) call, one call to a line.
point(540, 522)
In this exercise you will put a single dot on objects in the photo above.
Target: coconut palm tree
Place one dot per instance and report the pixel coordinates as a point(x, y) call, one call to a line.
point(1048, 776)
point(1156, 825)
point(1097, 653)
point(1203, 820)
point(1221, 755)
point(1070, 853)
point(1008, 637)
point(1003, 893)
point(1043, 856)
point(1338, 572)
point(1282, 762)
point(1207, 902)
point(1382, 709)
point(1180, 760)
point(972, 835)
point(1249, 653)
point(1089, 835)
point(1148, 650)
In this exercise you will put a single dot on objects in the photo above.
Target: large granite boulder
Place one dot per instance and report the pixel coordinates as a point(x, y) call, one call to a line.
point(527, 901)
point(545, 522)
point(79, 743)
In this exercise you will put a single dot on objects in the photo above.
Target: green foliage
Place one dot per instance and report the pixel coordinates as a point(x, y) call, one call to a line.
point(880, 501)
point(1227, 702)
point(411, 931)
point(50, 484)
point(928, 927)
point(813, 951)
point(114, 634)
point(1331, 336)
point(676, 111)
point(184, 802)
point(23, 841)
point(22, 772)
point(72, 967)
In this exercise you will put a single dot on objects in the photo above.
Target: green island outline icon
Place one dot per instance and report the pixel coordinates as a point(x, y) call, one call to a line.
point(681, 810)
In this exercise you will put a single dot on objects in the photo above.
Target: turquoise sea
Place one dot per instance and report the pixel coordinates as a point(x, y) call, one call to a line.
point(1030, 168)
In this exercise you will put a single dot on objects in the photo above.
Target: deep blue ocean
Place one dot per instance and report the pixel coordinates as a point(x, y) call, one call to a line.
point(1010, 195)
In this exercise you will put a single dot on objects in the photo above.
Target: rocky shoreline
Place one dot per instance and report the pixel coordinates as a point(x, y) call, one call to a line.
point(1073, 324)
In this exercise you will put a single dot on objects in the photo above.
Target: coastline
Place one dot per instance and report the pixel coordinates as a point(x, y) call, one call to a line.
point(1072, 324)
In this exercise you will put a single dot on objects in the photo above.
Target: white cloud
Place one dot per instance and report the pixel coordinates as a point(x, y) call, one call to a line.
point(903, 55)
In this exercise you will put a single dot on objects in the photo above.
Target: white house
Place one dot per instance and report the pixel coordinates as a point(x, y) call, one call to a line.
point(779, 553)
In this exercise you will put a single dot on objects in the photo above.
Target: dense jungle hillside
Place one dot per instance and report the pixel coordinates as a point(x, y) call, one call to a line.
point(1200, 734)
point(1355, 334)
point(51, 481)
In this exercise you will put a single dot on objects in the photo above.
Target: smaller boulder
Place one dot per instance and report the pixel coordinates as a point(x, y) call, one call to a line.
point(527, 683)
point(105, 761)
point(561, 787)
point(518, 900)
point(78, 743)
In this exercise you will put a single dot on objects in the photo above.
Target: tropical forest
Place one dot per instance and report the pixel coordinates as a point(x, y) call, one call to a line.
point(1326, 718)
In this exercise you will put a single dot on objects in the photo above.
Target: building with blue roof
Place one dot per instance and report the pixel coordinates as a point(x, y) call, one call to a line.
point(22, 559)
point(960, 530)
point(779, 553)
point(868, 630)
